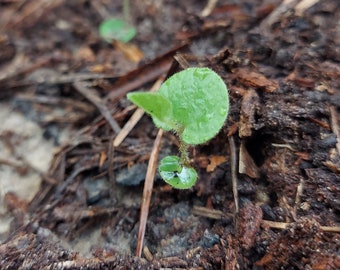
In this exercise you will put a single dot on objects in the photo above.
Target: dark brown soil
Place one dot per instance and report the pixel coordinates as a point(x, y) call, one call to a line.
point(281, 65)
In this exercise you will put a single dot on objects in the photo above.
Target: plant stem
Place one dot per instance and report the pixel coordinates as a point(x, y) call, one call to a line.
point(183, 148)
point(184, 158)
point(126, 11)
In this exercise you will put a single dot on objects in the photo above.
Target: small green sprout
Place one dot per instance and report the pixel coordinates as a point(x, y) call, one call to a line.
point(116, 29)
point(194, 103)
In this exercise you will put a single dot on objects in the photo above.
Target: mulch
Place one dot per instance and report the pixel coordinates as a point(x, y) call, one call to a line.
point(269, 183)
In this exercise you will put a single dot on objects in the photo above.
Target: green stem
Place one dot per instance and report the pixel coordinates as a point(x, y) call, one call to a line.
point(183, 148)
point(184, 158)
point(126, 10)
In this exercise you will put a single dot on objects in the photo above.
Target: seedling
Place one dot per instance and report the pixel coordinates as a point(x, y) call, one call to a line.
point(194, 103)
point(118, 29)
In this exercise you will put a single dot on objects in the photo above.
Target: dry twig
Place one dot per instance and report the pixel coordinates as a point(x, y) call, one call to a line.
point(233, 162)
point(99, 103)
point(210, 213)
point(147, 192)
point(304, 5)
point(276, 15)
point(335, 127)
point(112, 179)
point(283, 226)
point(208, 8)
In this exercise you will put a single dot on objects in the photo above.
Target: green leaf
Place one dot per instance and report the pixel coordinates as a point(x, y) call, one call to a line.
point(116, 29)
point(200, 103)
point(175, 174)
point(156, 105)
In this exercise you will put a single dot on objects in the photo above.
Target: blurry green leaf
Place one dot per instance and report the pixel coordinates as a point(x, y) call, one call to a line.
point(116, 29)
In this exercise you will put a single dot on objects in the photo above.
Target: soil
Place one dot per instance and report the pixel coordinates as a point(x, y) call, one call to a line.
point(268, 194)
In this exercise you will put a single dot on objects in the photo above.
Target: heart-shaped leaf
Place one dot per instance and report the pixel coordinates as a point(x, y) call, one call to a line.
point(116, 29)
point(200, 103)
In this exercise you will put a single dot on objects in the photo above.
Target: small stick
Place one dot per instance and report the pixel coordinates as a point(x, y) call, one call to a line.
point(208, 8)
point(233, 162)
point(181, 60)
point(134, 118)
point(112, 179)
point(335, 127)
point(147, 192)
point(276, 15)
point(304, 5)
point(283, 226)
point(299, 192)
point(210, 213)
point(82, 88)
